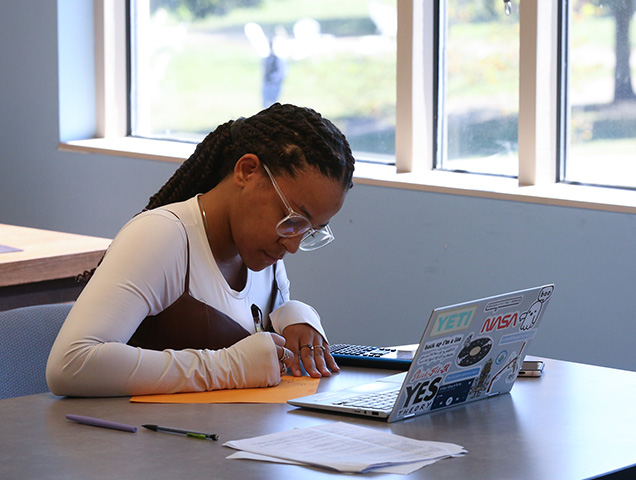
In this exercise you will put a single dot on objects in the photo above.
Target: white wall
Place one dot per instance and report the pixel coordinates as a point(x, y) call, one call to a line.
point(398, 253)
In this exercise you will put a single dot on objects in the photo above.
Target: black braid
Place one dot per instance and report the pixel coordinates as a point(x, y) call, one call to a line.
point(285, 137)
point(198, 173)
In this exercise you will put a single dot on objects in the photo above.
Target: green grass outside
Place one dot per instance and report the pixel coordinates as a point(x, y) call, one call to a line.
point(213, 83)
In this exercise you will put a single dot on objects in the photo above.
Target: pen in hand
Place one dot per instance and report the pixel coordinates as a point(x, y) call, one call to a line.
point(257, 315)
point(203, 436)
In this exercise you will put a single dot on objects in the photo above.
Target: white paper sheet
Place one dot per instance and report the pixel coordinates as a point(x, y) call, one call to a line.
point(346, 448)
point(403, 469)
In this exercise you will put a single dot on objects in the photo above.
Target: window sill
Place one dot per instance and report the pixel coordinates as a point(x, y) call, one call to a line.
point(482, 186)
point(148, 149)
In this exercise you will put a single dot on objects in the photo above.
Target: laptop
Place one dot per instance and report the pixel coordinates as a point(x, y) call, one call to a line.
point(468, 352)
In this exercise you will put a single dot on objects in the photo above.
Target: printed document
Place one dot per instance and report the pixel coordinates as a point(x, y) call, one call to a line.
point(346, 448)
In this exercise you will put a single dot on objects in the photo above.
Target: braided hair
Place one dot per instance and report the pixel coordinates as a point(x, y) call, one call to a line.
point(285, 137)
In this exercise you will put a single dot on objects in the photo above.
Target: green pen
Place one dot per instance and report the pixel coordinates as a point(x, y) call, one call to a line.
point(202, 436)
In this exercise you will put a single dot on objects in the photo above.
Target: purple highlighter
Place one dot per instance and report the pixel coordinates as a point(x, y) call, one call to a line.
point(96, 422)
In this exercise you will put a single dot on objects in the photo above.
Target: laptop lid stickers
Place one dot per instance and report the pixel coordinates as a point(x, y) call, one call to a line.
point(471, 351)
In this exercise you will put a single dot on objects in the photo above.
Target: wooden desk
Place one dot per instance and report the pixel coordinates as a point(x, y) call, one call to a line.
point(575, 422)
point(44, 270)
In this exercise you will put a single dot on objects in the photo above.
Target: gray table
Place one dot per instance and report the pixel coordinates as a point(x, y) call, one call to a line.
point(575, 422)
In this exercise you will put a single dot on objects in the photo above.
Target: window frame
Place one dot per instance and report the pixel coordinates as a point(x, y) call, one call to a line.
point(540, 152)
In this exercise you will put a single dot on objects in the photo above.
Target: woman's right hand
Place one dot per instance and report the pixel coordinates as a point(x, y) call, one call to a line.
point(252, 362)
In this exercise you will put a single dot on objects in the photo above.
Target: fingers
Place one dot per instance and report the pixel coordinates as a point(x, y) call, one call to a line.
point(331, 362)
point(285, 355)
point(317, 360)
point(279, 340)
point(313, 358)
point(303, 347)
point(311, 351)
point(285, 360)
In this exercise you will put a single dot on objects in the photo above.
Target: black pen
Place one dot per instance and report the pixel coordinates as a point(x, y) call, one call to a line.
point(257, 315)
point(203, 436)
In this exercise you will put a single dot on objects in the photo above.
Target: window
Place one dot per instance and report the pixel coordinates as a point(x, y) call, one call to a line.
point(601, 128)
point(196, 65)
point(540, 98)
point(478, 88)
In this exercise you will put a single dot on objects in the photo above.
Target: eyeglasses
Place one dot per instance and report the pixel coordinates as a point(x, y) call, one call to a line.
point(296, 224)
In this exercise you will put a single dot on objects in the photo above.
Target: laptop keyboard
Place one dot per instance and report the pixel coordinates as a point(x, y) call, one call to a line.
point(372, 401)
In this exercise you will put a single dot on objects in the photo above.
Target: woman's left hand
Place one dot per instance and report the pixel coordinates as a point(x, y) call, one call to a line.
point(309, 347)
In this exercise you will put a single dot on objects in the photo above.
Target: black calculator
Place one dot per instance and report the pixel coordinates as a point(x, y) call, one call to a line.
point(370, 356)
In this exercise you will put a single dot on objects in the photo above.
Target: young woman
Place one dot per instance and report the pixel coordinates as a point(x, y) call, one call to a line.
point(192, 294)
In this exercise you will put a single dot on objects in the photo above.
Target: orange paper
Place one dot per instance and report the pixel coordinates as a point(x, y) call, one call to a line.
point(289, 387)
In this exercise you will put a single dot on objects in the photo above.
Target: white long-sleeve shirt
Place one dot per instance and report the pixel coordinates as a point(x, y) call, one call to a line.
point(142, 274)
